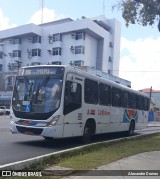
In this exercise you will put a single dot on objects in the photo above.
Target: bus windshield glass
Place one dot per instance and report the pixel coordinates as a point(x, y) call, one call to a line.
point(37, 93)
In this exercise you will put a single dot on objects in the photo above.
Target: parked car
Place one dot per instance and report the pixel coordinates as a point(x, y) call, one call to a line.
point(4, 110)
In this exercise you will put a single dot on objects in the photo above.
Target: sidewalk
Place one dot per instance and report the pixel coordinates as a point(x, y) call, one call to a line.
point(154, 124)
point(131, 166)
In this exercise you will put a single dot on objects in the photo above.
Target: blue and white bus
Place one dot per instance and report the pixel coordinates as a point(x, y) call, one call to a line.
point(63, 101)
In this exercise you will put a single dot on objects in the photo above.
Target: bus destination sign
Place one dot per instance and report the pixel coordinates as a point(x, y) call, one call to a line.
point(42, 71)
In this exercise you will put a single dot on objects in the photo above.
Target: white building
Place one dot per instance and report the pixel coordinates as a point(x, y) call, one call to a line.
point(85, 42)
point(88, 42)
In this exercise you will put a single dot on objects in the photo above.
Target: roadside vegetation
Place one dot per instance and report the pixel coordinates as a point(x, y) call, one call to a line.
point(94, 155)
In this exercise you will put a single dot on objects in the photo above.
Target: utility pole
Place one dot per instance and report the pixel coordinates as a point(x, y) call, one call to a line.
point(150, 95)
point(103, 7)
point(42, 11)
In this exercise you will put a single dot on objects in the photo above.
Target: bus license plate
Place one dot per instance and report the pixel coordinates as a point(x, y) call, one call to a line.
point(28, 133)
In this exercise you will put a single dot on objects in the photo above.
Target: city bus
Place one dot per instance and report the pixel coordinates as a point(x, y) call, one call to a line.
point(55, 101)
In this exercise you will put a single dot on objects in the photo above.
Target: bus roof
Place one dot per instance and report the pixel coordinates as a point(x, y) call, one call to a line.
point(86, 74)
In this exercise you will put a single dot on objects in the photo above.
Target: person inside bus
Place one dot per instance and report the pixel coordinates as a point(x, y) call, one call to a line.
point(55, 96)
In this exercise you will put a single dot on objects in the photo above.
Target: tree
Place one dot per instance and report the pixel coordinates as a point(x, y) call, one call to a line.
point(143, 12)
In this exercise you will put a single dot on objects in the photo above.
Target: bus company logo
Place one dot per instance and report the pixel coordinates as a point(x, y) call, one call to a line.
point(91, 112)
point(130, 114)
point(103, 113)
point(23, 122)
point(27, 123)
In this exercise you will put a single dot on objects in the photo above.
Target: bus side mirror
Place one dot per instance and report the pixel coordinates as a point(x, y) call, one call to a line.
point(73, 87)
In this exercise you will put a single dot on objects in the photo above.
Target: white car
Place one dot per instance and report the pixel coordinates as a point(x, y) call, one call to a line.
point(4, 110)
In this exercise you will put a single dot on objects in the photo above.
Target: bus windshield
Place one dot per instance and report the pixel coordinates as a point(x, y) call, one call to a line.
point(37, 94)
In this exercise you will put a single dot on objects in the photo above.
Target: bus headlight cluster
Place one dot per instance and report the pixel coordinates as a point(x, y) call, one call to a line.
point(54, 120)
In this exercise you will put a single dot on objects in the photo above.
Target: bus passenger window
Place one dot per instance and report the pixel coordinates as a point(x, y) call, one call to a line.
point(141, 103)
point(104, 94)
point(116, 97)
point(91, 91)
point(125, 99)
point(134, 101)
point(146, 104)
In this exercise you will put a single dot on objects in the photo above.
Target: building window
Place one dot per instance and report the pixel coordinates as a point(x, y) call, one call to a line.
point(80, 35)
point(9, 81)
point(13, 66)
point(78, 63)
point(56, 63)
point(36, 39)
point(1, 55)
point(16, 53)
point(35, 63)
point(17, 41)
point(36, 52)
point(79, 49)
point(110, 44)
point(56, 51)
point(110, 59)
point(57, 37)
point(0, 67)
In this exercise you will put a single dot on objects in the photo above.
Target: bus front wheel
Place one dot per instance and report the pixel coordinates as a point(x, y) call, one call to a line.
point(87, 134)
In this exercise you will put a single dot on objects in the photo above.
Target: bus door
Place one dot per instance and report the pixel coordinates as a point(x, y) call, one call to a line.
point(72, 123)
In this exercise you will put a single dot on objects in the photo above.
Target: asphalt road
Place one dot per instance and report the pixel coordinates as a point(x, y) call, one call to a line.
point(15, 147)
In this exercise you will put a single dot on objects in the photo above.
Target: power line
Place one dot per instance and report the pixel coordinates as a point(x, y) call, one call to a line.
point(42, 3)
point(104, 7)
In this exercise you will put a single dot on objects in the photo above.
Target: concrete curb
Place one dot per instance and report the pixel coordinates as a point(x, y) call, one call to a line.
point(20, 165)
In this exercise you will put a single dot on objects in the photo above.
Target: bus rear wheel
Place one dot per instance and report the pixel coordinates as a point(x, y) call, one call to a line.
point(131, 128)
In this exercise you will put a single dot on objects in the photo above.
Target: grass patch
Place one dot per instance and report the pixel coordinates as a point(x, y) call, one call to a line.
point(113, 151)
point(95, 155)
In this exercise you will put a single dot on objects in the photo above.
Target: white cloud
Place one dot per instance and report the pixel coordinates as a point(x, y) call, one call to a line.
point(48, 16)
point(5, 22)
point(140, 62)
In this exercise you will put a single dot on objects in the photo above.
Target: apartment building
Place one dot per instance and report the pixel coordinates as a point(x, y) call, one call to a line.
point(84, 42)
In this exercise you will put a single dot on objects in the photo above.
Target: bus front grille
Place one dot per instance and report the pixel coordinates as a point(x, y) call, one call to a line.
point(29, 131)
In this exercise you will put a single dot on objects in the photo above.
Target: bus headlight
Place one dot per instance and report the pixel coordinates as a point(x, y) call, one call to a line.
point(54, 120)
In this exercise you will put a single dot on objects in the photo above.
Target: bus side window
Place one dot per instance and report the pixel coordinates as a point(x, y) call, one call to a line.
point(91, 91)
point(125, 99)
point(104, 94)
point(116, 97)
point(133, 101)
point(72, 100)
point(141, 103)
point(146, 104)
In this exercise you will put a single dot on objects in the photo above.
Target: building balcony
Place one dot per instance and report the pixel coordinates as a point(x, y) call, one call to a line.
point(35, 59)
point(17, 46)
point(35, 45)
point(55, 58)
point(57, 44)
point(1, 48)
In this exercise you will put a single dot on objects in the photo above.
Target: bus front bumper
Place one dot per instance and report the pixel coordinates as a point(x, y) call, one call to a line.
point(53, 131)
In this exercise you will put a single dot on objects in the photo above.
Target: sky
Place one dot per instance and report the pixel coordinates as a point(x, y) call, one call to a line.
point(140, 46)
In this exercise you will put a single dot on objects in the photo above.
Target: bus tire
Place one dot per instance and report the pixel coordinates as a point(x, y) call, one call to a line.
point(89, 130)
point(131, 128)
point(48, 138)
point(87, 134)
